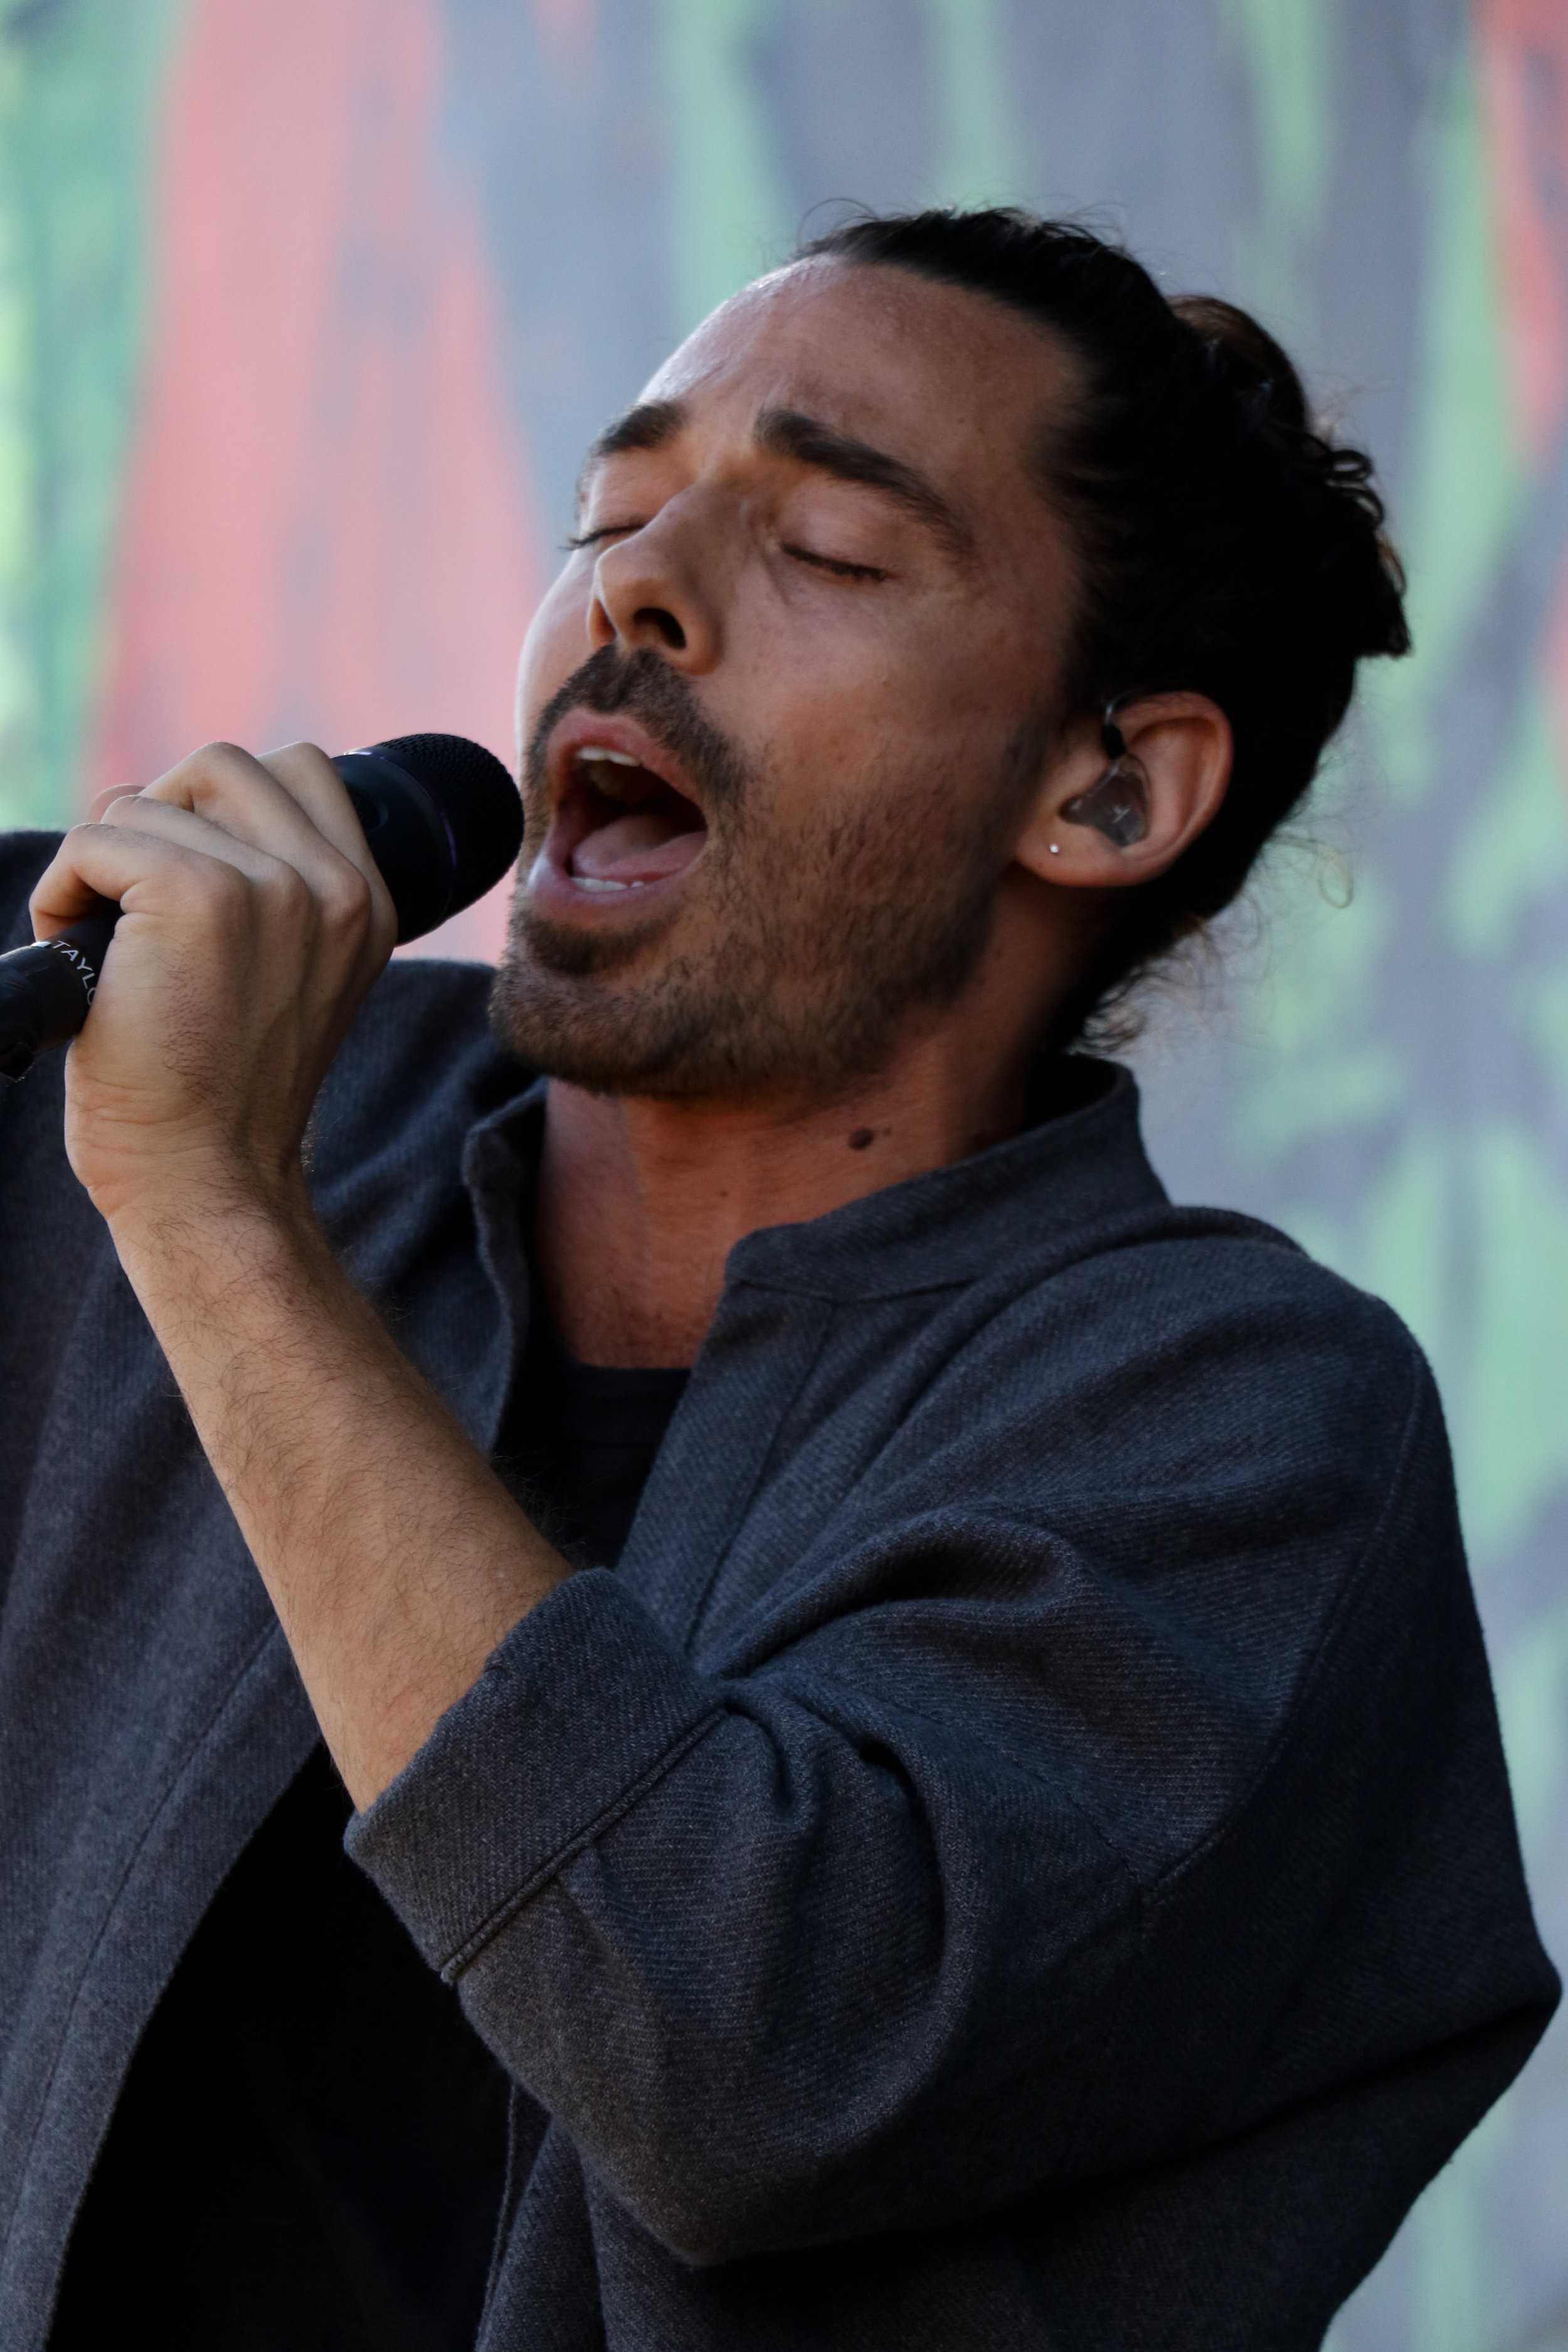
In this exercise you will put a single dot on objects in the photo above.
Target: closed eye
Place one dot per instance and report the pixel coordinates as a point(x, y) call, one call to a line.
point(834, 563)
point(837, 563)
point(592, 538)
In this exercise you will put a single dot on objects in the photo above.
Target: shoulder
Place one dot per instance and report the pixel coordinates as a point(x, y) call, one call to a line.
point(1217, 1317)
point(1207, 1413)
point(1207, 1482)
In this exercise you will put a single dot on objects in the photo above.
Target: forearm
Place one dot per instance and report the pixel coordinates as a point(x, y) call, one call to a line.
point(395, 1556)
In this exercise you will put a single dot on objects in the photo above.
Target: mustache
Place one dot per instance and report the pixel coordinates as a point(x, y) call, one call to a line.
point(643, 686)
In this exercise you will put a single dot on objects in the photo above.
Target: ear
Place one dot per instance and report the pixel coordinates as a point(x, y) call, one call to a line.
point(1182, 745)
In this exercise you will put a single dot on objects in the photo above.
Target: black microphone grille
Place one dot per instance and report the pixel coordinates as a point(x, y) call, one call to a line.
point(478, 798)
point(442, 819)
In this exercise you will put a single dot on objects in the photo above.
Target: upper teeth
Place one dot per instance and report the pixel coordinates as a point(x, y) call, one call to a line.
point(631, 791)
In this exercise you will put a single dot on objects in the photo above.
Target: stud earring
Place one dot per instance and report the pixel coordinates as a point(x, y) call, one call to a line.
point(1056, 849)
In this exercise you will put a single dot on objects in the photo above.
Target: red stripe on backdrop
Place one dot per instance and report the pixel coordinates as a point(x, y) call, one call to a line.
point(1522, 48)
point(326, 530)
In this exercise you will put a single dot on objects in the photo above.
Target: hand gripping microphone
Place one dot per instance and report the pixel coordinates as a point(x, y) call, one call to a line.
point(443, 822)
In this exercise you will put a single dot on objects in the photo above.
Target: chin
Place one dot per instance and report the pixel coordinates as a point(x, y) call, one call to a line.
point(589, 1039)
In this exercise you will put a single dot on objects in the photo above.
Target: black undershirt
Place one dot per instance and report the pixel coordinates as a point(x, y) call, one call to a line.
point(308, 2152)
point(581, 1441)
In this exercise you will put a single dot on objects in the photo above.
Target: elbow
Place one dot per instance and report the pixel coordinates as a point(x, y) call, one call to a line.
point(706, 2210)
point(702, 2223)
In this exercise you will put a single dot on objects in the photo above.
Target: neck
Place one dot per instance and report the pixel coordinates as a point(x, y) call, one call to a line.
point(640, 1201)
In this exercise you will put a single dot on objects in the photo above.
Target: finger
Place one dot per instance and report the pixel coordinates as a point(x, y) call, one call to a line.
point(167, 821)
point(95, 862)
point(341, 892)
point(100, 801)
point(286, 797)
point(305, 770)
point(292, 803)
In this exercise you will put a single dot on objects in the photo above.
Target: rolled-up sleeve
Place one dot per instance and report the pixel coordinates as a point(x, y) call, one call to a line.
point(575, 1715)
point(774, 1952)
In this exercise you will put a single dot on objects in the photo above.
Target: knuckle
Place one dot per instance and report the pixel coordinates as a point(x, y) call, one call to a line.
point(296, 766)
point(347, 895)
point(208, 773)
point(227, 887)
point(126, 810)
point(288, 886)
point(212, 904)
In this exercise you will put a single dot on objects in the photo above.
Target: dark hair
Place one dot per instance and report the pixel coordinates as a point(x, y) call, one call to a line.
point(1228, 546)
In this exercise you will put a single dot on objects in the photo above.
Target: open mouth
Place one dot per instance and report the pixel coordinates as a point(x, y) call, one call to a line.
point(619, 824)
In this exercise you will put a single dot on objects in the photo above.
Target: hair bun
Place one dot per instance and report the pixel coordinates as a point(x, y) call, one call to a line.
point(1242, 359)
point(1330, 486)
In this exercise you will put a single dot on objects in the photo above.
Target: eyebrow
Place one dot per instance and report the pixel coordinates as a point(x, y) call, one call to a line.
point(788, 433)
point(646, 427)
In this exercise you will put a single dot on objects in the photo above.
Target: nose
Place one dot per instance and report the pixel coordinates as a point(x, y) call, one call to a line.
point(650, 589)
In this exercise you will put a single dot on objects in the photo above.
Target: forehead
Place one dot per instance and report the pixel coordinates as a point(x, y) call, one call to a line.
point(944, 377)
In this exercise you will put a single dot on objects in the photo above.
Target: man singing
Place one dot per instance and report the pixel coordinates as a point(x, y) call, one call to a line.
point(746, 1696)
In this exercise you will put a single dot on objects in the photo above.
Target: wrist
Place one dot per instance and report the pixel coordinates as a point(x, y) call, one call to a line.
point(214, 1212)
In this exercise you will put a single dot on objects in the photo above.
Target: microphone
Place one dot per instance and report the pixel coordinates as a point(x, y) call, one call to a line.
point(443, 822)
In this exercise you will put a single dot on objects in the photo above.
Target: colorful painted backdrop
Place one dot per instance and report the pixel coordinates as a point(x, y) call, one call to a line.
point(307, 310)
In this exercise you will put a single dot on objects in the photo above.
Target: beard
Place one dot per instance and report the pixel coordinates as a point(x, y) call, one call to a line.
point(823, 944)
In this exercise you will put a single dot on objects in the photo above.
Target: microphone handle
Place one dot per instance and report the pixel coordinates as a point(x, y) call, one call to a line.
point(47, 990)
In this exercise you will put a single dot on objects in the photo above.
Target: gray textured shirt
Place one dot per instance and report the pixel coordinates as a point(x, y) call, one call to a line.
point(1017, 1853)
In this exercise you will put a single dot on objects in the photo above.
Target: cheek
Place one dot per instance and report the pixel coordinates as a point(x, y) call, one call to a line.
point(868, 701)
point(556, 644)
point(816, 660)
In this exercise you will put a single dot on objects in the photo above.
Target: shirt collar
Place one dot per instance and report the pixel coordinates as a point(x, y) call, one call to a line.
point(1074, 1169)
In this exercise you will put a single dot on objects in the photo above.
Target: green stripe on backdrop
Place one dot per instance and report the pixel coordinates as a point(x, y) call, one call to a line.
point(1467, 482)
point(977, 156)
point(1291, 49)
point(730, 213)
point(80, 83)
